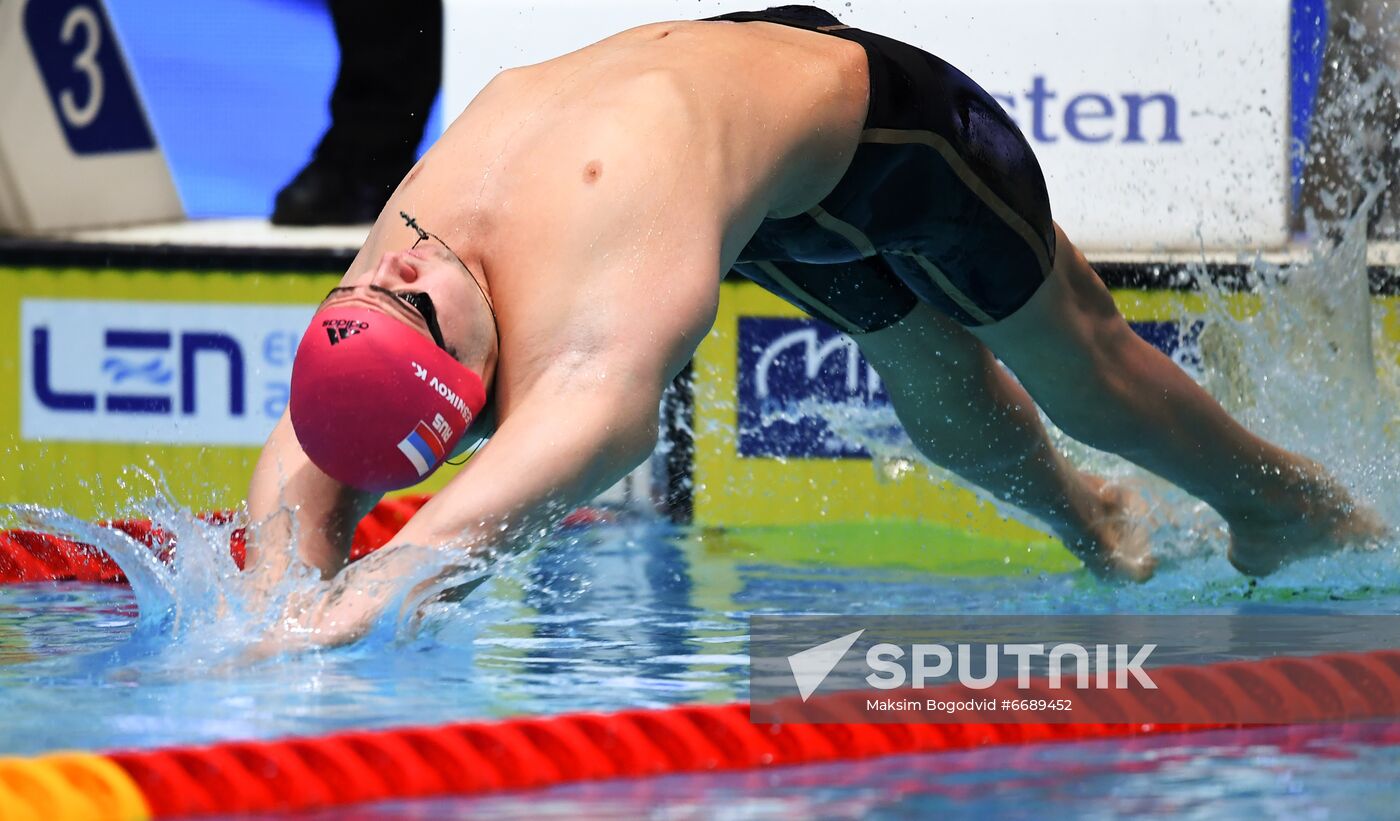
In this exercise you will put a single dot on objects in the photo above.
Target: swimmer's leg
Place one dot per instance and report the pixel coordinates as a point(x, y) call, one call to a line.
point(965, 412)
point(1104, 385)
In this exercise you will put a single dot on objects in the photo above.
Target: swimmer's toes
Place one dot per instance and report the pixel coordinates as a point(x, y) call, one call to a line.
point(1116, 544)
point(1253, 562)
point(1129, 558)
point(1260, 551)
point(1136, 570)
point(1366, 529)
point(1143, 569)
point(1117, 568)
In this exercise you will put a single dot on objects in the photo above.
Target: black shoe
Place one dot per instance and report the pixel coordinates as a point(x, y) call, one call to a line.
point(325, 194)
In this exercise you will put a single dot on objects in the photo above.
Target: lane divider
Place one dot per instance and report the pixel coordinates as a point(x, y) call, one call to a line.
point(471, 758)
point(27, 556)
point(69, 786)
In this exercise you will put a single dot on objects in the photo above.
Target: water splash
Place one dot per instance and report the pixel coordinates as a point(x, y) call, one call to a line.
point(1298, 366)
point(1354, 146)
point(197, 611)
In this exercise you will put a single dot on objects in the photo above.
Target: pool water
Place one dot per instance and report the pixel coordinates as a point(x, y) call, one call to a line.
point(643, 614)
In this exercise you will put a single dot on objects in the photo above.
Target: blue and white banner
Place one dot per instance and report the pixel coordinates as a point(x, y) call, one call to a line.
point(797, 375)
point(157, 372)
point(785, 366)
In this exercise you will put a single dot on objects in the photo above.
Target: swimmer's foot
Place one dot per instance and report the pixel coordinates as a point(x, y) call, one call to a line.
point(1319, 517)
point(1116, 544)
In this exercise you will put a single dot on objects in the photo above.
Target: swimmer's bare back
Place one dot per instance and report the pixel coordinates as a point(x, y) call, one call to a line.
point(602, 194)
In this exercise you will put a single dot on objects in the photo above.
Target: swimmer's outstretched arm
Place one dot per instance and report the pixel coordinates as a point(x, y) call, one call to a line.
point(289, 498)
point(567, 441)
point(564, 444)
point(573, 428)
point(585, 420)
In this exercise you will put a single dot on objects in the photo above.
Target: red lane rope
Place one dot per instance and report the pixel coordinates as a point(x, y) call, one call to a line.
point(27, 556)
point(479, 757)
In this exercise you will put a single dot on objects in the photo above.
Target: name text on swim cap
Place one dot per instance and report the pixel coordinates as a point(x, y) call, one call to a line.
point(444, 391)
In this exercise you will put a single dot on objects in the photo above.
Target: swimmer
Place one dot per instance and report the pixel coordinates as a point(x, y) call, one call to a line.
point(549, 266)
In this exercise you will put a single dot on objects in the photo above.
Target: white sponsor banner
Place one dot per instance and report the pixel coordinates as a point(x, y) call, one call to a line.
point(1161, 124)
point(158, 372)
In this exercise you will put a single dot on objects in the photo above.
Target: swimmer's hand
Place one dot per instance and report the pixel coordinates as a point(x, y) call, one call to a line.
point(346, 608)
point(316, 619)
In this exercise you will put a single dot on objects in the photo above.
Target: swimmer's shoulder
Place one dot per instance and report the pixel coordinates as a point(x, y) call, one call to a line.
point(647, 34)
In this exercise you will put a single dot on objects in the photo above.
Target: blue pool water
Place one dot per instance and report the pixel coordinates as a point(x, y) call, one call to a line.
point(645, 615)
point(639, 614)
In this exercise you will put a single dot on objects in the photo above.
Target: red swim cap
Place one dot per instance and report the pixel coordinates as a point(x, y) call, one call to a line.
point(374, 403)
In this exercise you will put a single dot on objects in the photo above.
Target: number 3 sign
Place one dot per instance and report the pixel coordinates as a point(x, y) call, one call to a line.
point(76, 149)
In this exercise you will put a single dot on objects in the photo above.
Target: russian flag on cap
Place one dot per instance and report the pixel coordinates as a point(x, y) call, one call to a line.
point(423, 448)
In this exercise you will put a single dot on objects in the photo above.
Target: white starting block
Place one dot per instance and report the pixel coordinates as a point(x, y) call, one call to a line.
point(76, 148)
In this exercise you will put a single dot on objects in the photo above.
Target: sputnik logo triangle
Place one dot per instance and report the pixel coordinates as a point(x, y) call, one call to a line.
point(811, 666)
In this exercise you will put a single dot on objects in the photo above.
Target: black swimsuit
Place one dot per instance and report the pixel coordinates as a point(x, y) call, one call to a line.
point(944, 201)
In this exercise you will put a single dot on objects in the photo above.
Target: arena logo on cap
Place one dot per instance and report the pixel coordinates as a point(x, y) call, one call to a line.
point(425, 446)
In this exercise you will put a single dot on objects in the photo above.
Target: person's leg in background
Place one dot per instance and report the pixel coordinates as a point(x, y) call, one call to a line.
point(390, 72)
